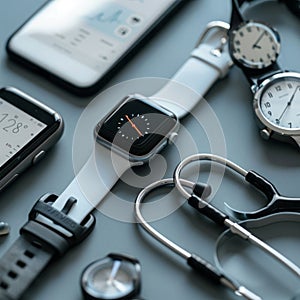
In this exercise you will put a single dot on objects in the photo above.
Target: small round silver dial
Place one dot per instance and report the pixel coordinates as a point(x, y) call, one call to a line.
point(112, 281)
point(280, 103)
point(255, 45)
point(111, 278)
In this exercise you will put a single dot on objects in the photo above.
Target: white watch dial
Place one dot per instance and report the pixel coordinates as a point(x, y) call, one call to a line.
point(255, 45)
point(280, 103)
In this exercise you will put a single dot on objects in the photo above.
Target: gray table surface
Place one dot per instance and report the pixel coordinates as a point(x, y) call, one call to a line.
point(165, 276)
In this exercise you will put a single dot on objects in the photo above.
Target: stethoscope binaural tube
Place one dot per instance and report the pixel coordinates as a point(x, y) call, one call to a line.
point(217, 215)
point(193, 260)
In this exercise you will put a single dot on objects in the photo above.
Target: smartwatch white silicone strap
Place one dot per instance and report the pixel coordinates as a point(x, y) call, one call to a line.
point(93, 182)
point(55, 224)
point(209, 61)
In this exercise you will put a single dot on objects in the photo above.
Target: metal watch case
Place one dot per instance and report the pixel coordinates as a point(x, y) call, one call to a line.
point(138, 160)
point(242, 64)
point(267, 129)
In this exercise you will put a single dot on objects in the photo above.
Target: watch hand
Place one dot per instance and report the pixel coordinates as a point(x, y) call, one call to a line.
point(255, 45)
point(114, 271)
point(289, 103)
point(287, 106)
point(293, 96)
point(133, 126)
point(119, 286)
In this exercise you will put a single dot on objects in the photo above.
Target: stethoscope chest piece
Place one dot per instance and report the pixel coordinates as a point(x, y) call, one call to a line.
point(112, 277)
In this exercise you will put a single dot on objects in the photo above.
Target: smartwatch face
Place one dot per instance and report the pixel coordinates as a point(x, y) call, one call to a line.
point(254, 45)
point(280, 102)
point(137, 127)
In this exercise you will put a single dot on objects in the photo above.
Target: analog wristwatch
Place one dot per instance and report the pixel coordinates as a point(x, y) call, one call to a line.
point(254, 47)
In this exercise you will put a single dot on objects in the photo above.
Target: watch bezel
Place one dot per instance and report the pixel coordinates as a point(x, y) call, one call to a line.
point(257, 108)
point(120, 151)
point(244, 64)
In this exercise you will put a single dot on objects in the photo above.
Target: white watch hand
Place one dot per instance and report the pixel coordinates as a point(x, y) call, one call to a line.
point(114, 271)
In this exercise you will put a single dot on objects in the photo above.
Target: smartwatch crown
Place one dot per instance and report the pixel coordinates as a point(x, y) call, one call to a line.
point(172, 137)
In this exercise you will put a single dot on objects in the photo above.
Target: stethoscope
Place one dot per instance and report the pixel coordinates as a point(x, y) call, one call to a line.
point(224, 220)
point(212, 212)
point(195, 261)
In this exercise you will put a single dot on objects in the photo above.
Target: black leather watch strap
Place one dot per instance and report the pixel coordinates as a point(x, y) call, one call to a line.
point(255, 77)
point(236, 15)
point(48, 234)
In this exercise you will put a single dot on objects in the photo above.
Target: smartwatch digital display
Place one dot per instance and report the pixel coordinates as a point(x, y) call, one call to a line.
point(28, 129)
point(137, 128)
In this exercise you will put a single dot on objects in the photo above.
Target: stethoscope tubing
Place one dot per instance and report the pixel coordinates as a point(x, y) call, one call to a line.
point(195, 261)
point(153, 232)
point(219, 217)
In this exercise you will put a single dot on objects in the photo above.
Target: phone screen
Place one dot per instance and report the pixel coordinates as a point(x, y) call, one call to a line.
point(17, 128)
point(81, 40)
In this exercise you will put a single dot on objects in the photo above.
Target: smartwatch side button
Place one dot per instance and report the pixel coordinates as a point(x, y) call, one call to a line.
point(38, 157)
point(172, 137)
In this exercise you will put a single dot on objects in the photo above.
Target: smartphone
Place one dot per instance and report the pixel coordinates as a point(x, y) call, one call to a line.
point(28, 129)
point(80, 43)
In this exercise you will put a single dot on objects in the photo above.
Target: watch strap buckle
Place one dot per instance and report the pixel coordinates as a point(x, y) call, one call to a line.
point(211, 26)
point(53, 228)
point(211, 47)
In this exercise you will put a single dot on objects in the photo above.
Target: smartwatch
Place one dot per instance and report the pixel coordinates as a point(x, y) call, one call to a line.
point(254, 47)
point(131, 134)
point(28, 129)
